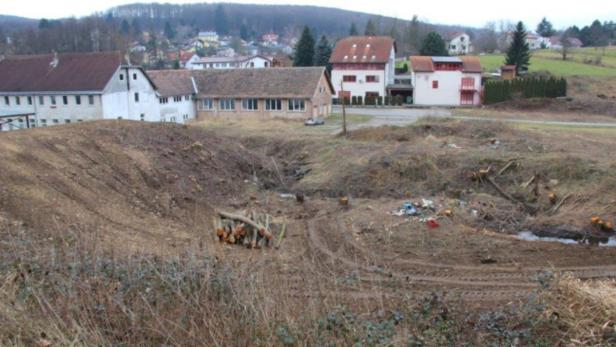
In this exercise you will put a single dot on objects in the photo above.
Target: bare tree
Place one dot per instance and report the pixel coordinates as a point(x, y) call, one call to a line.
point(565, 42)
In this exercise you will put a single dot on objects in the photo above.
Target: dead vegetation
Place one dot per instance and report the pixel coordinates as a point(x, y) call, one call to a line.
point(107, 234)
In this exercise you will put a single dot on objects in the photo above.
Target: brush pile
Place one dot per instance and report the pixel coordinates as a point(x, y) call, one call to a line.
point(237, 229)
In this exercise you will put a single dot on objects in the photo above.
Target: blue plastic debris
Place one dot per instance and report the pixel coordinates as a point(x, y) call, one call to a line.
point(409, 209)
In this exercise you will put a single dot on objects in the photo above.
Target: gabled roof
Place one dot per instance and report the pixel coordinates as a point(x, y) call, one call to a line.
point(363, 49)
point(172, 82)
point(470, 64)
point(295, 82)
point(455, 34)
point(74, 72)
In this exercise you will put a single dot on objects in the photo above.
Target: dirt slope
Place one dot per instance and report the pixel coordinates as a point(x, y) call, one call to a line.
point(132, 183)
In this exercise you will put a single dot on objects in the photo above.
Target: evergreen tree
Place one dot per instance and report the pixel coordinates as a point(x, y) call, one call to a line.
point(304, 50)
point(353, 30)
point(44, 24)
point(124, 27)
point(220, 21)
point(169, 32)
point(244, 32)
point(545, 28)
point(136, 27)
point(370, 29)
point(323, 53)
point(519, 52)
point(433, 45)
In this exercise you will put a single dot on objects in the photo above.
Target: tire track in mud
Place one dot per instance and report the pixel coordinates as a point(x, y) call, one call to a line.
point(414, 277)
point(496, 283)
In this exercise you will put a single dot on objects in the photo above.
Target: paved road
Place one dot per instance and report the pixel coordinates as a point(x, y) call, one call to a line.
point(407, 116)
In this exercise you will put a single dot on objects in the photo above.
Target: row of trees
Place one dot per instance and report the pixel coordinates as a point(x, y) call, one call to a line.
point(310, 53)
point(499, 91)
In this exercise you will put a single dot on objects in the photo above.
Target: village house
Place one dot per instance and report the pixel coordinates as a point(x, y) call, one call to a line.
point(446, 81)
point(52, 89)
point(270, 39)
point(209, 38)
point(176, 92)
point(363, 66)
point(282, 92)
point(236, 62)
point(459, 43)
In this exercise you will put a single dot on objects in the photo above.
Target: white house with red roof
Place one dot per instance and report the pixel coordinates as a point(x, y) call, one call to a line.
point(446, 81)
point(363, 66)
point(459, 43)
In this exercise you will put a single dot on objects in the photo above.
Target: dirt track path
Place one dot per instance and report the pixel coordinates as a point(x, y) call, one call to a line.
point(475, 283)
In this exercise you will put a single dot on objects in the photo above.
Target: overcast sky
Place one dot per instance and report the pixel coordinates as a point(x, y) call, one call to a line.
point(472, 13)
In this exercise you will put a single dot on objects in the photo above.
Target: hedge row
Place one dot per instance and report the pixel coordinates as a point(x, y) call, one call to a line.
point(499, 91)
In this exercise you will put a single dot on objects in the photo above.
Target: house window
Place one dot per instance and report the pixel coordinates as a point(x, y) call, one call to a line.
point(452, 47)
point(227, 104)
point(53, 99)
point(6, 100)
point(172, 119)
point(41, 100)
point(67, 121)
point(468, 83)
point(163, 100)
point(250, 104)
point(187, 97)
point(205, 104)
point(296, 105)
point(17, 100)
point(135, 76)
point(55, 121)
point(91, 99)
point(273, 104)
point(65, 100)
point(349, 78)
point(372, 79)
point(121, 77)
point(29, 100)
point(434, 84)
point(43, 122)
point(136, 97)
point(78, 99)
point(177, 98)
point(467, 98)
point(142, 117)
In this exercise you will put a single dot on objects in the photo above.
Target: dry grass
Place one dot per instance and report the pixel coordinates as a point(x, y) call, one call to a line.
point(583, 312)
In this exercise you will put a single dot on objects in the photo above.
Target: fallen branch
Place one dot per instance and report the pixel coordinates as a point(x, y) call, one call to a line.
point(262, 230)
point(506, 167)
point(562, 201)
point(508, 196)
point(281, 236)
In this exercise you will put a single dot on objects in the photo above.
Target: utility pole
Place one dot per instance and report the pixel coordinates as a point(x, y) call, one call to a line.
point(344, 127)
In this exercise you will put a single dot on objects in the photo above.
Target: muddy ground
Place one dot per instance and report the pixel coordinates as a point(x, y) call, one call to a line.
point(153, 188)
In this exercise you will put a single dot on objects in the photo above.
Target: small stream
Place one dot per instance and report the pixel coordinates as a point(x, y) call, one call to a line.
point(530, 236)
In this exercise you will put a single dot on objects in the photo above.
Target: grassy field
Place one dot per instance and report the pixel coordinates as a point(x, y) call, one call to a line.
point(550, 60)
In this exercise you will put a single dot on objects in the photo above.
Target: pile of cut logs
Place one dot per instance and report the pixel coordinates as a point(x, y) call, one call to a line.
point(237, 229)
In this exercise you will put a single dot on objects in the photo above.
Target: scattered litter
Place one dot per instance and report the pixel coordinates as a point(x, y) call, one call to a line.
point(494, 143)
point(475, 213)
point(409, 209)
point(552, 197)
point(427, 204)
point(432, 223)
point(344, 201)
point(454, 146)
point(603, 225)
point(446, 213)
point(287, 196)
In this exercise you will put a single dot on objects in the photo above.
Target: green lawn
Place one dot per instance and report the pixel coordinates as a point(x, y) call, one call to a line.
point(547, 61)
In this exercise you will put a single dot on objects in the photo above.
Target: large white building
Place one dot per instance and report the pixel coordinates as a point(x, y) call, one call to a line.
point(52, 89)
point(235, 62)
point(176, 95)
point(363, 66)
point(446, 81)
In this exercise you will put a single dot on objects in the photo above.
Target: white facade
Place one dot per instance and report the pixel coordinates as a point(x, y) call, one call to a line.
point(444, 88)
point(360, 82)
point(129, 94)
point(190, 62)
point(460, 44)
point(222, 63)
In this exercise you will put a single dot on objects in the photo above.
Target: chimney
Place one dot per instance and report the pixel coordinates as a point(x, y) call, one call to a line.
point(54, 63)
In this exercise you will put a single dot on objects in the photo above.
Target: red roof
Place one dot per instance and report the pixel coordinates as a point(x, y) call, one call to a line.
point(74, 72)
point(363, 49)
point(470, 64)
